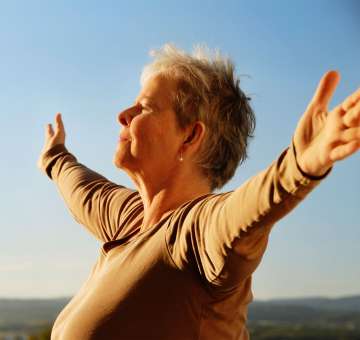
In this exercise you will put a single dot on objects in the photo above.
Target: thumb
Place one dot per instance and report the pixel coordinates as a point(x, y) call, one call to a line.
point(49, 131)
point(325, 90)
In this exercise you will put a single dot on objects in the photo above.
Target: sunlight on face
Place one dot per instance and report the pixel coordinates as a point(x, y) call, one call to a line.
point(151, 137)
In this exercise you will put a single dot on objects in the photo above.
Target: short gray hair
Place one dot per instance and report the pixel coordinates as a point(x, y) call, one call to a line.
point(208, 90)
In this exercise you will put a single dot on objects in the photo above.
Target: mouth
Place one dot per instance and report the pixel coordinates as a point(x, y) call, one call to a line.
point(124, 136)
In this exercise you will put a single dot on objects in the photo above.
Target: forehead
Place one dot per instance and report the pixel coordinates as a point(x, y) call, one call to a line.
point(159, 90)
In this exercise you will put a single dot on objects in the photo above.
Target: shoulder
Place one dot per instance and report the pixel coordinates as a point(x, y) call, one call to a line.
point(187, 224)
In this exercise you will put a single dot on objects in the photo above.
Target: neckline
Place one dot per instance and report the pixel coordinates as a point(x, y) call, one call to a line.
point(137, 233)
point(170, 212)
point(164, 216)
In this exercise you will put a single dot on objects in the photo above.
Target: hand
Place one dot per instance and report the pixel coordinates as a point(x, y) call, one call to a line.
point(52, 137)
point(321, 138)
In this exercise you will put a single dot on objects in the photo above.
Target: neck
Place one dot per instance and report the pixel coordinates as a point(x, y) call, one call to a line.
point(162, 196)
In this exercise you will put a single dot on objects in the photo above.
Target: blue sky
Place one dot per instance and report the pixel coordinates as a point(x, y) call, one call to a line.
point(84, 58)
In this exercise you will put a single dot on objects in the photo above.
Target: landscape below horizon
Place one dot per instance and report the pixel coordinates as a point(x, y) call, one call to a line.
point(297, 318)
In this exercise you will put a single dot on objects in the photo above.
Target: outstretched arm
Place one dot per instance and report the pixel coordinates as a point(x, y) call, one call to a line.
point(94, 201)
point(230, 232)
point(225, 236)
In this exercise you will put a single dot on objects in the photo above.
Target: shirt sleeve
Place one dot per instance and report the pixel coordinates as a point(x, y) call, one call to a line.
point(224, 236)
point(95, 202)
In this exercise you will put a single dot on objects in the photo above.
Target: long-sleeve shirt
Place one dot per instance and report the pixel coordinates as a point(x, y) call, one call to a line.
point(188, 277)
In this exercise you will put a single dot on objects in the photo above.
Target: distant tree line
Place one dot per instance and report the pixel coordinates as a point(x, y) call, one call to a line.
point(271, 332)
point(45, 334)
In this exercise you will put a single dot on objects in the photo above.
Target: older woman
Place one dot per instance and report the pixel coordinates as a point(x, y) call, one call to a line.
point(176, 259)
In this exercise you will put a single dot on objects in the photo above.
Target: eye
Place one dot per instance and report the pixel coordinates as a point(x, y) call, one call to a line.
point(145, 108)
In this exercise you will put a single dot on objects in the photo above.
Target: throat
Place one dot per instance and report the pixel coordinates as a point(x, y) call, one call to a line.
point(150, 222)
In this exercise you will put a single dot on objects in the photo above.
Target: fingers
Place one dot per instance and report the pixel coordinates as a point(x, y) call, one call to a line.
point(325, 90)
point(350, 101)
point(59, 132)
point(350, 135)
point(350, 110)
point(344, 151)
point(352, 116)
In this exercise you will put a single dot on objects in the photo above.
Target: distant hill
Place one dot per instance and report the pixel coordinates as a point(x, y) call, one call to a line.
point(29, 314)
point(32, 314)
point(349, 303)
point(325, 313)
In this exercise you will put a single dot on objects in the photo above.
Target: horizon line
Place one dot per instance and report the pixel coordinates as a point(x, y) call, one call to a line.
point(357, 295)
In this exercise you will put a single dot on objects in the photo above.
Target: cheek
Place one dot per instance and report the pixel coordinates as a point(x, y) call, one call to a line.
point(139, 128)
point(148, 135)
point(154, 137)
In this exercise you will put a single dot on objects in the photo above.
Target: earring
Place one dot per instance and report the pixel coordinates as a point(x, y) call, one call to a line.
point(181, 157)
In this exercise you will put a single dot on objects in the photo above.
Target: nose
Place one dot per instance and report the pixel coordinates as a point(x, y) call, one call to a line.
point(125, 117)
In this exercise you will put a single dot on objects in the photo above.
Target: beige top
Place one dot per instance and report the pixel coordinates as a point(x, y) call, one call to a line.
point(188, 277)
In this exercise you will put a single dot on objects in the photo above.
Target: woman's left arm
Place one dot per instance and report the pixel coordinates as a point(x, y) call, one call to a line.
point(226, 236)
point(320, 139)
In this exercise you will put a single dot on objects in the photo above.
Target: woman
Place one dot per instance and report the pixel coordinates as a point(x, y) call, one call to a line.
point(176, 259)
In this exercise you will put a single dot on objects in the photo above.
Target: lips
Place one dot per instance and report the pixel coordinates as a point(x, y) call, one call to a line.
point(124, 138)
point(124, 135)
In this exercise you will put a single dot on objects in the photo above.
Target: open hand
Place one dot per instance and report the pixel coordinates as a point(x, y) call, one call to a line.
point(52, 137)
point(322, 138)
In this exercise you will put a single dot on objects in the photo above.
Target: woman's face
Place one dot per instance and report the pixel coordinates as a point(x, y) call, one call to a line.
point(150, 139)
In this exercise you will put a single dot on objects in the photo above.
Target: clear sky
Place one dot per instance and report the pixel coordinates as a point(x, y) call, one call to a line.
point(84, 58)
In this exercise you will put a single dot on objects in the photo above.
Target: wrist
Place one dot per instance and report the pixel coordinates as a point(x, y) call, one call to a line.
point(314, 173)
point(310, 169)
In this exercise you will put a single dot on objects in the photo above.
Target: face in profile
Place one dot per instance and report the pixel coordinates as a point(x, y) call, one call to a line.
point(150, 139)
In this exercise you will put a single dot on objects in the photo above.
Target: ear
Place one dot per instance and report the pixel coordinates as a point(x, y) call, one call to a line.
point(194, 135)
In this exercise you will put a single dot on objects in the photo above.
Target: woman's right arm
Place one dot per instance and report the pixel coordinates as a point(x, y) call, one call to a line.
point(95, 202)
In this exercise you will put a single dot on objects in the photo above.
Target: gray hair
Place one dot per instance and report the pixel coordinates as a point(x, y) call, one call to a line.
point(208, 91)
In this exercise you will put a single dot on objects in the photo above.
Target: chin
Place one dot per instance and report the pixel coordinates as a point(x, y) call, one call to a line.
point(123, 159)
point(119, 158)
point(116, 163)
